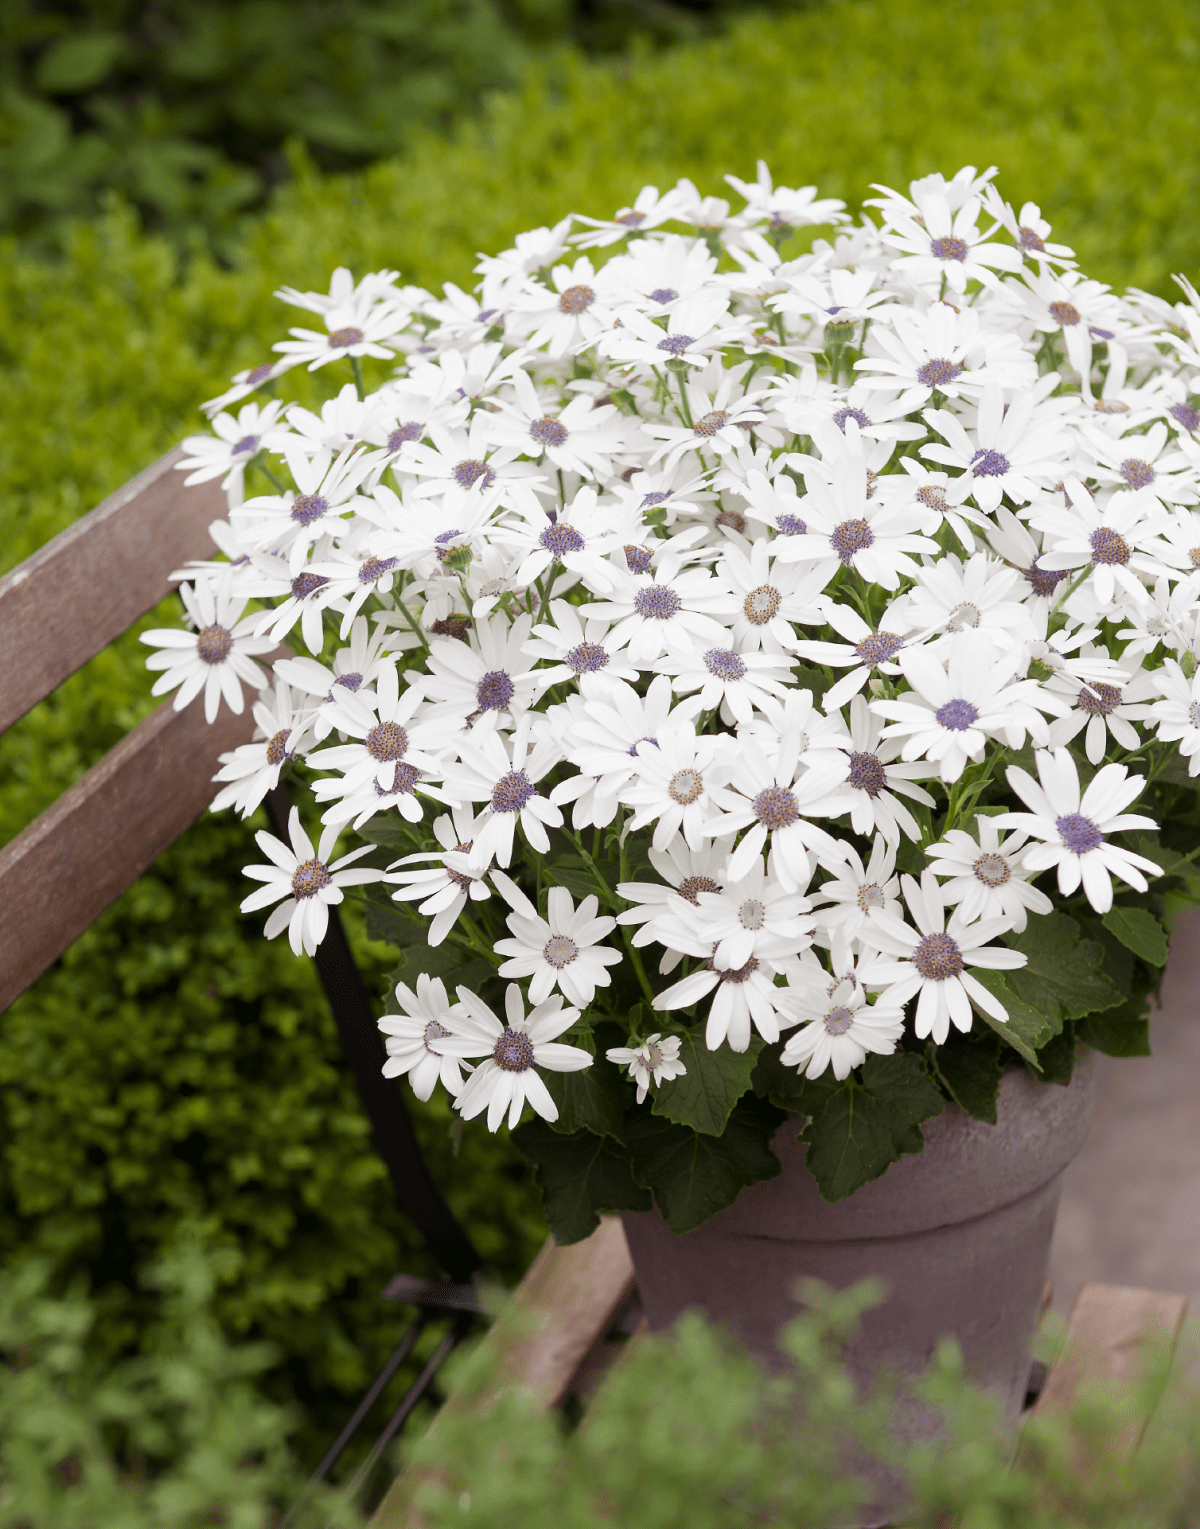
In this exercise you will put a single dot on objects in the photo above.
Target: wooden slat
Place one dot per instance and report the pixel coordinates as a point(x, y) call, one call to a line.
point(97, 839)
point(1107, 1337)
point(80, 591)
point(560, 1310)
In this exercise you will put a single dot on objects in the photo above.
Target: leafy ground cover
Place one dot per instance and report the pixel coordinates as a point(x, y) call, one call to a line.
point(173, 1065)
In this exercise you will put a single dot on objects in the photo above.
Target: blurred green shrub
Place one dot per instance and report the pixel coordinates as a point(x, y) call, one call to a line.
point(687, 1430)
point(184, 105)
point(173, 1064)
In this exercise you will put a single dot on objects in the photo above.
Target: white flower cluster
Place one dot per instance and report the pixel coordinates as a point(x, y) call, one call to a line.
point(579, 559)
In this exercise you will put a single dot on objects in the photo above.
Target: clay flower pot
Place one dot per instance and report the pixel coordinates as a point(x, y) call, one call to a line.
point(959, 1234)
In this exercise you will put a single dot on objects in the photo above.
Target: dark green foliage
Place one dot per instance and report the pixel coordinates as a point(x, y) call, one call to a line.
point(1138, 930)
point(714, 1083)
point(1064, 978)
point(969, 1068)
point(185, 106)
point(581, 1177)
point(858, 1128)
point(132, 1096)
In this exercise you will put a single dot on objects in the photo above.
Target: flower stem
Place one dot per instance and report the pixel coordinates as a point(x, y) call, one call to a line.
point(358, 378)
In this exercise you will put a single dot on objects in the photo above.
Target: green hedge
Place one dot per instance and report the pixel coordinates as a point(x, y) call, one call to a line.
point(174, 1064)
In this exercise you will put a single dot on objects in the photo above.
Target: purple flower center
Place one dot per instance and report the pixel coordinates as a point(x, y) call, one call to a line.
point(305, 584)
point(576, 300)
point(342, 339)
point(736, 974)
point(630, 219)
point(468, 473)
point(259, 373)
point(1099, 699)
point(404, 778)
point(375, 568)
point(513, 1052)
point(938, 957)
point(387, 742)
point(775, 808)
point(549, 432)
point(725, 664)
point(851, 537)
point(710, 423)
point(638, 559)
point(990, 464)
point(1078, 833)
point(957, 716)
point(277, 747)
point(691, 887)
point(790, 525)
point(842, 415)
point(938, 372)
point(350, 681)
point(1137, 474)
point(676, 344)
point(657, 602)
point(587, 658)
point(655, 496)
point(247, 443)
point(1044, 580)
point(949, 248)
point(1066, 314)
point(1030, 240)
point(838, 1021)
point(1109, 547)
point(867, 773)
point(494, 691)
point(214, 644)
point(308, 878)
point(308, 507)
point(1186, 415)
point(410, 431)
point(560, 539)
point(663, 295)
point(878, 647)
point(511, 792)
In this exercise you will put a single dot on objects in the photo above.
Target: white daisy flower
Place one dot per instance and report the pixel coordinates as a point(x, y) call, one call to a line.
point(504, 772)
point(561, 950)
point(234, 443)
point(580, 538)
point(745, 996)
point(844, 904)
point(354, 671)
point(649, 210)
point(245, 383)
point(578, 650)
point(865, 651)
point(1177, 716)
point(290, 523)
point(1144, 464)
point(942, 351)
point(569, 314)
point(1101, 707)
point(715, 418)
point(412, 1038)
point(667, 612)
point(676, 774)
point(655, 1061)
point(443, 890)
point(508, 1078)
point(308, 879)
point(941, 247)
point(766, 598)
point(579, 437)
point(988, 878)
point(875, 778)
point(253, 769)
point(1075, 828)
point(353, 328)
point(758, 914)
point(488, 675)
point(685, 872)
point(1065, 303)
point(695, 328)
point(839, 1028)
point(215, 658)
point(1115, 538)
point(952, 597)
point(951, 711)
point(935, 957)
point(1016, 448)
point(736, 682)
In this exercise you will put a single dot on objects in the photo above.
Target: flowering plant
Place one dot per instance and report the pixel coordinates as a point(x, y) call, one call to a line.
point(715, 642)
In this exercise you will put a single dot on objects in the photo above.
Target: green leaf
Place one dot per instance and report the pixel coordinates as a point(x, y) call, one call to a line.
point(715, 1080)
point(1027, 1029)
point(581, 1177)
point(1119, 1032)
point(861, 1128)
point(1139, 931)
point(1056, 1060)
point(1064, 977)
point(75, 63)
point(594, 1099)
point(970, 1069)
point(693, 1176)
point(386, 922)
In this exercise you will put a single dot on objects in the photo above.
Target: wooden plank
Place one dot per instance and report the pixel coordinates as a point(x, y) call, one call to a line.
point(58, 876)
point(80, 591)
point(561, 1309)
point(1106, 1340)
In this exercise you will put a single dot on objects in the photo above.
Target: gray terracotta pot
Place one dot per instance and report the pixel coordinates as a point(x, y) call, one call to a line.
point(960, 1235)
